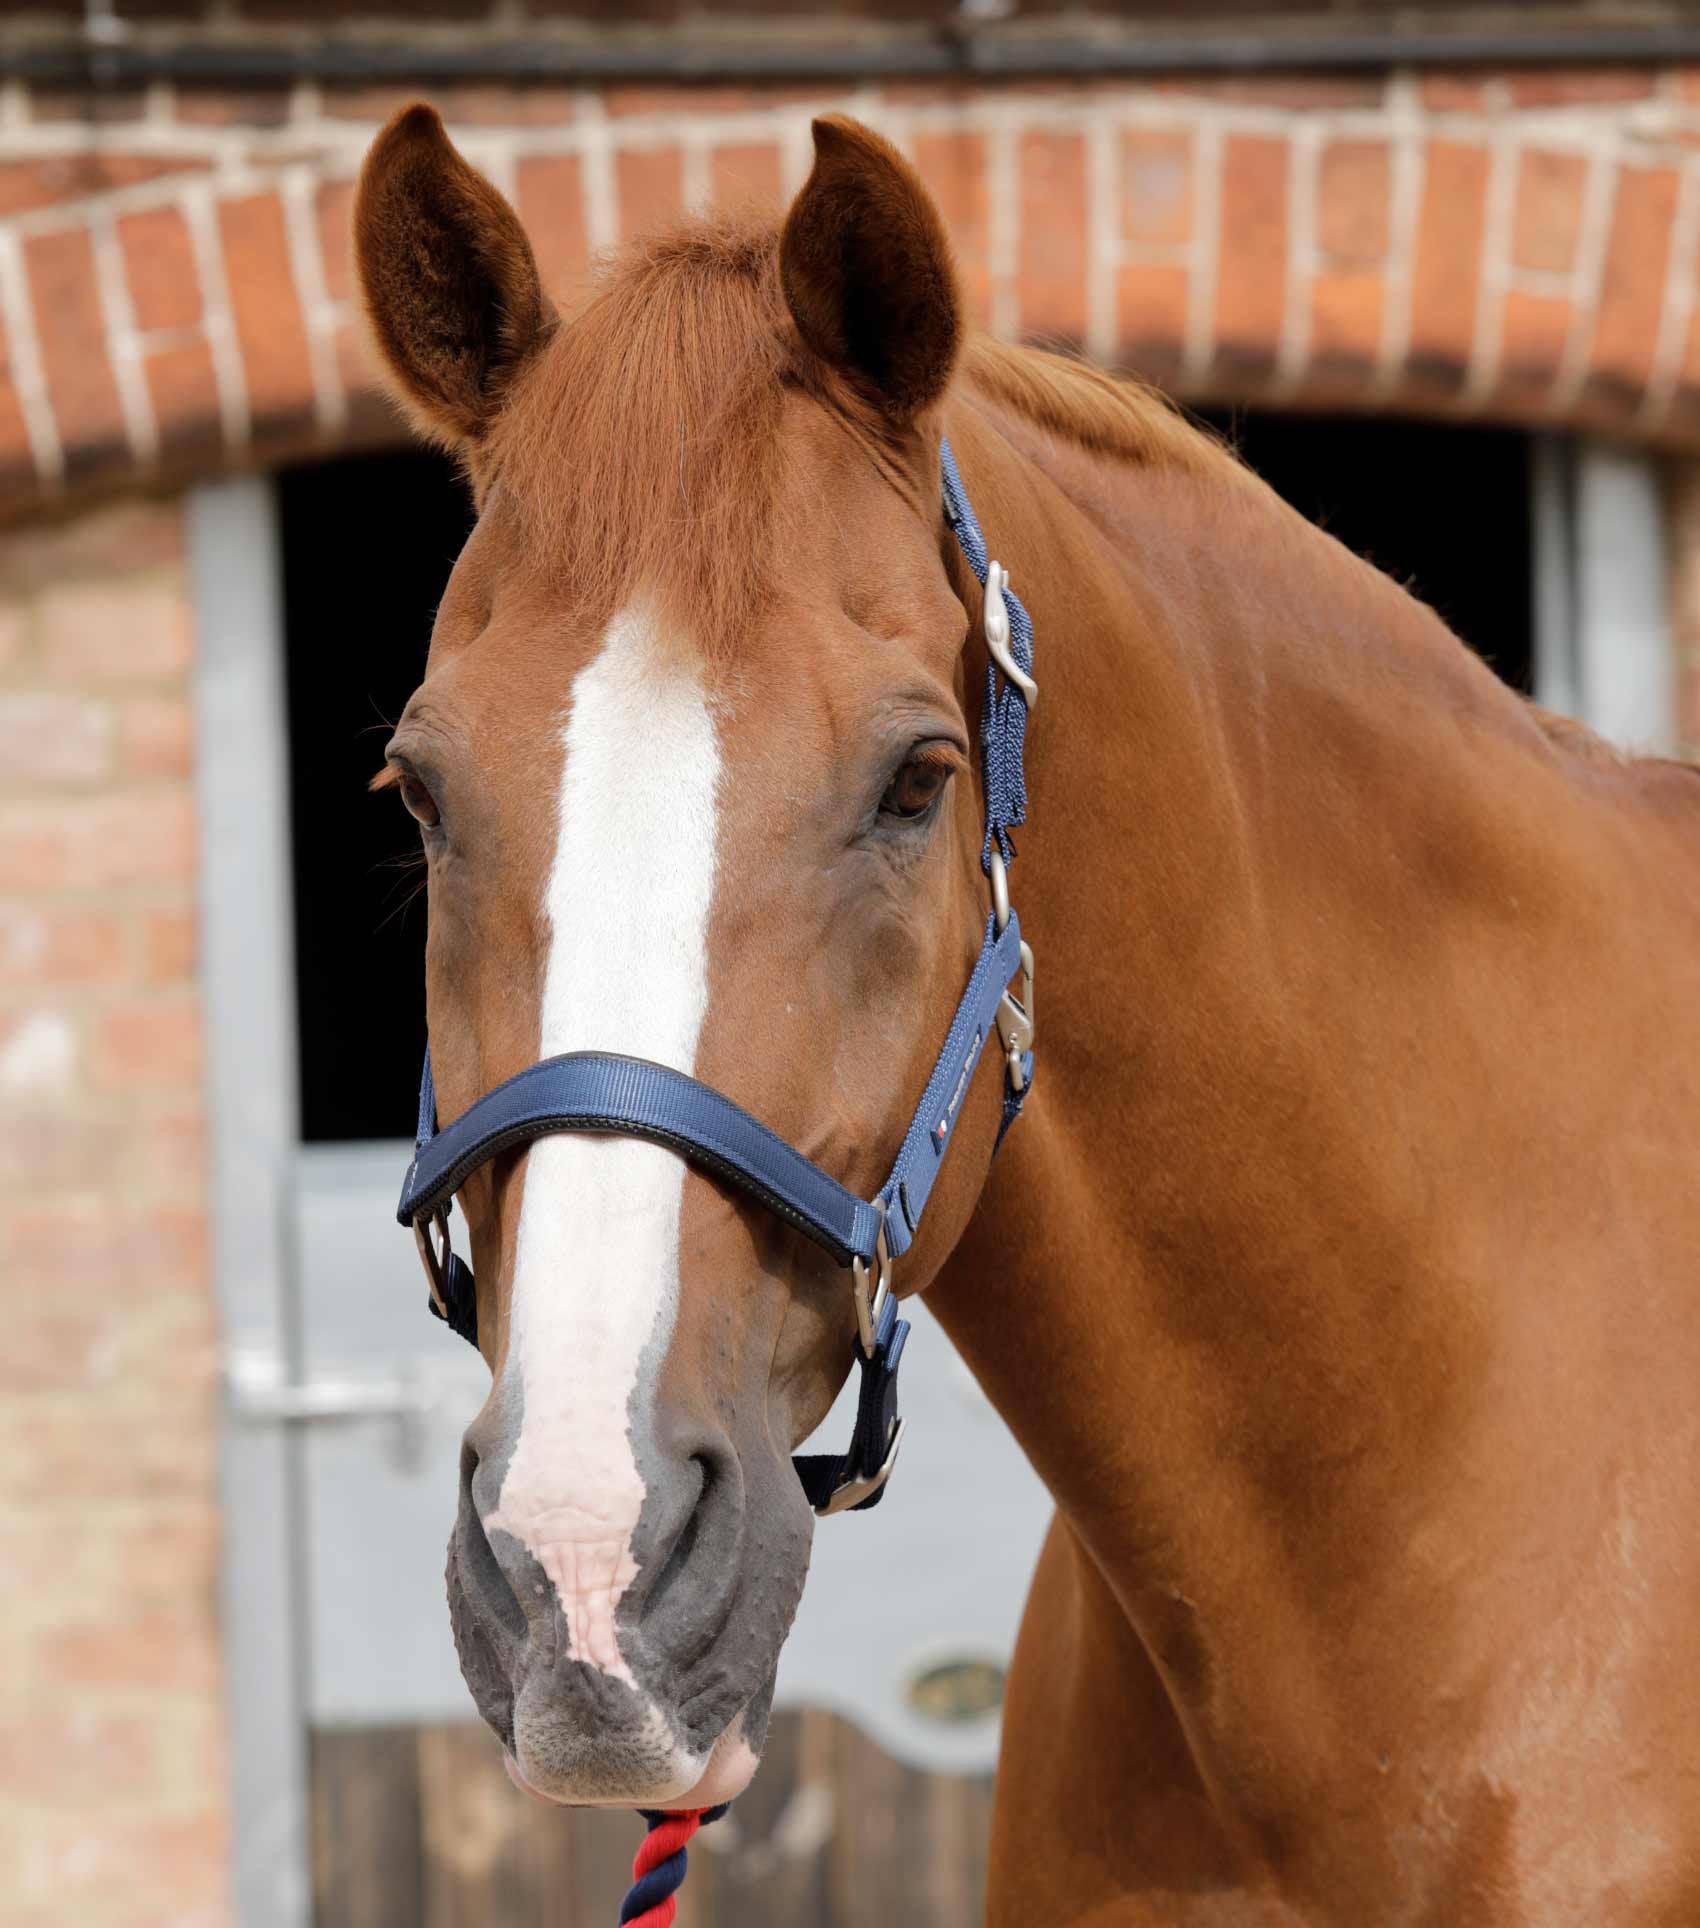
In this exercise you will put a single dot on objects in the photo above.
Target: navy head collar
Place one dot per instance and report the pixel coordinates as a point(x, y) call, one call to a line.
point(600, 1091)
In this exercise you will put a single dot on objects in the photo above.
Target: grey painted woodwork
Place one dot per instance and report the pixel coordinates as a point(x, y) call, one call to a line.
point(247, 974)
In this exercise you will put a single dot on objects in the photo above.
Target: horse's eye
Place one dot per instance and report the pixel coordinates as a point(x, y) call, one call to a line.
point(916, 787)
point(419, 801)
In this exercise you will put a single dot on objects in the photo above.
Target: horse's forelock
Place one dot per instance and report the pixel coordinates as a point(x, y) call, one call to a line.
point(641, 454)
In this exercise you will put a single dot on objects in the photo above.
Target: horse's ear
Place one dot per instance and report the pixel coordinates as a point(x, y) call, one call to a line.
point(450, 284)
point(867, 271)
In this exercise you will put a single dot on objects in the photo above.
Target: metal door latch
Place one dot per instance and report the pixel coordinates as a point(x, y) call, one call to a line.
point(259, 1391)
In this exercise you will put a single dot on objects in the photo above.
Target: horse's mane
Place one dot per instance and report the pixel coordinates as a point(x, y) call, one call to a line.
point(1110, 415)
point(643, 446)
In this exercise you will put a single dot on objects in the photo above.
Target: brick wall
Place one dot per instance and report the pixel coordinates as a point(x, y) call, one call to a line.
point(112, 1804)
point(174, 285)
point(174, 296)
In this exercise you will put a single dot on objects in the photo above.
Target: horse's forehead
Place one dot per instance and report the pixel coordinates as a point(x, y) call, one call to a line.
point(858, 561)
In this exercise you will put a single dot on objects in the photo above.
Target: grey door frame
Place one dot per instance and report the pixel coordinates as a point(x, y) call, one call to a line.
point(248, 988)
point(1603, 647)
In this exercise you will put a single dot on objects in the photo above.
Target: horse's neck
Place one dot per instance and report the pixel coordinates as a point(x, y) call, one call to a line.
point(1206, 1285)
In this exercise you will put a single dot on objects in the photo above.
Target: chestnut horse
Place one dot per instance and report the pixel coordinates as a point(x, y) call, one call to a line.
point(1339, 1281)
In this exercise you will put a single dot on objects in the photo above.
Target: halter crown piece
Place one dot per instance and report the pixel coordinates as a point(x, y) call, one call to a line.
point(601, 1091)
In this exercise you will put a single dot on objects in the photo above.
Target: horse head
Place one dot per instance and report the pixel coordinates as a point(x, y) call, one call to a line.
point(692, 769)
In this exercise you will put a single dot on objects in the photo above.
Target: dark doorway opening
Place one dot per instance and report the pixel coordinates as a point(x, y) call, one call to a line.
point(1443, 508)
point(368, 544)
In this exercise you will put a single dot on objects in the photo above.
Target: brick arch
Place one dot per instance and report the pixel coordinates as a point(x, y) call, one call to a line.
point(174, 288)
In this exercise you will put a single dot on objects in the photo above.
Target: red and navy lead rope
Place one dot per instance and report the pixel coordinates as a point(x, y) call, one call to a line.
point(659, 1868)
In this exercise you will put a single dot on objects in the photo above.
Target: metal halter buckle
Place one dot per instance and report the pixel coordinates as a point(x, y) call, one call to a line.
point(997, 634)
point(1014, 1014)
point(870, 1301)
point(854, 1491)
point(1015, 1023)
point(435, 1255)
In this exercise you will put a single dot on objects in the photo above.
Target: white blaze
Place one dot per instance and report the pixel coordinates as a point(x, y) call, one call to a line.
point(596, 1263)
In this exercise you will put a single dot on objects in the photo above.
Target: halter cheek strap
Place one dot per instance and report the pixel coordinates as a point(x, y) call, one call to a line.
point(601, 1091)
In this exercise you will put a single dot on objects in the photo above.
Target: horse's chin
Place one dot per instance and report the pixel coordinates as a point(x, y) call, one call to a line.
point(731, 1767)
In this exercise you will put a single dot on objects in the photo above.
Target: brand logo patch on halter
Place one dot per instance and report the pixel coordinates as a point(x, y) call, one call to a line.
point(941, 1131)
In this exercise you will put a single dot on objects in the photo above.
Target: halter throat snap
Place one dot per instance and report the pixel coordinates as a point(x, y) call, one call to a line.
point(602, 1091)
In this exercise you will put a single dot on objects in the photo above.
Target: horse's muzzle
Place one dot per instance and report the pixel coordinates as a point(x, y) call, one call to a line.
point(630, 1711)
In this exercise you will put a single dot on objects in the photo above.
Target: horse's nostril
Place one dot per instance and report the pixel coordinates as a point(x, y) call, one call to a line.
point(678, 1557)
point(482, 1575)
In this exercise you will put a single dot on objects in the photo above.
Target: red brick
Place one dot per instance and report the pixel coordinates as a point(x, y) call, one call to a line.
point(954, 168)
point(16, 630)
point(1352, 202)
point(228, 106)
point(165, 1555)
point(169, 943)
point(76, 1452)
point(91, 106)
point(1152, 311)
point(525, 104)
point(334, 206)
point(56, 1151)
point(620, 103)
point(1251, 268)
point(1689, 372)
point(97, 843)
point(47, 737)
point(156, 737)
point(1632, 283)
point(27, 185)
point(48, 945)
point(1549, 210)
point(65, 1755)
point(183, 385)
point(72, 333)
point(650, 190)
point(1533, 332)
point(135, 533)
point(159, 262)
point(169, 1156)
point(39, 1054)
point(1578, 86)
point(133, 1857)
point(747, 173)
point(1299, 92)
point(1052, 262)
point(165, 1248)
point(79, 1342)
point(158, 1652)
point(550, 190)
point(1446, 271)
point(152, 1043)
point(927, 93)
point(1448, 93)
point(116, 630)
point(267, 310)
point(1157, 187)
point(17, 458)
point(375, 104)
point(1346, 318)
